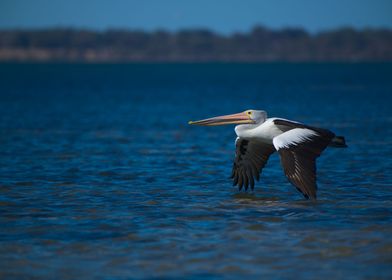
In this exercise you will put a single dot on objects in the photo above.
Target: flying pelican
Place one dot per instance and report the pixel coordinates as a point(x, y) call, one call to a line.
point(258, 137)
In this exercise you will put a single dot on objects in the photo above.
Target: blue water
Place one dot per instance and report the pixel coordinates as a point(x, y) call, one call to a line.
point(101, 177)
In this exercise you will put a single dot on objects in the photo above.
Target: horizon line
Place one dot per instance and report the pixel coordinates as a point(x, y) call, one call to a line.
point(196, 28)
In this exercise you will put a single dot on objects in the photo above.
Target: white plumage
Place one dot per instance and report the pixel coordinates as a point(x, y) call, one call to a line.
point(293, 137)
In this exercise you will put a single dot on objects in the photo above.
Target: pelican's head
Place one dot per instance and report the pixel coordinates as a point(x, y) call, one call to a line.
point(246, 117)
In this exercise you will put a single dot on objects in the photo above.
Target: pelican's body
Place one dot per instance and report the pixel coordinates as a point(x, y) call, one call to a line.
point(258, 137)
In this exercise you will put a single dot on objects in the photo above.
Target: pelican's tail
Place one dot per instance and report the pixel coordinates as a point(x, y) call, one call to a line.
point(338, 142)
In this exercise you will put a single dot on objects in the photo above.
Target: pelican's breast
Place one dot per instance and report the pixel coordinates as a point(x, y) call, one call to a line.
point(264, 132)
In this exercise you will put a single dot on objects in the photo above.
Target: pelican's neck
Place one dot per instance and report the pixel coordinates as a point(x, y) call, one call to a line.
point(243, 130)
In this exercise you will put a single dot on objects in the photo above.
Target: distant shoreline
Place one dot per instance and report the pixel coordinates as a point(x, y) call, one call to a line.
point(195, 46)
point(65, 62)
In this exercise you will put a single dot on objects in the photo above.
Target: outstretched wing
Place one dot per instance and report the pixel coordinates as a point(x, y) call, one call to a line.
point(250, 158)
point(298, 149)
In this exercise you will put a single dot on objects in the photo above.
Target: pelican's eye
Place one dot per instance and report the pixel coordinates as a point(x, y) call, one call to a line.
point(249, 113)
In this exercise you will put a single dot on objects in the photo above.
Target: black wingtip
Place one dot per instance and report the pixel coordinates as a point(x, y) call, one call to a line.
point(235, 180)
point(310, 197)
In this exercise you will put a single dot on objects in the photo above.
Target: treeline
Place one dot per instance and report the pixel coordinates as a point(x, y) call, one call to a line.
point(260, 44)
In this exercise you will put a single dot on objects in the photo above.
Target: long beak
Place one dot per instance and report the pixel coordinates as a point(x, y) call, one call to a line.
point(240, 118)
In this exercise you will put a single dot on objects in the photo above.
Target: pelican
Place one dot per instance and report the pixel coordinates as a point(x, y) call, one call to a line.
point(258, 137)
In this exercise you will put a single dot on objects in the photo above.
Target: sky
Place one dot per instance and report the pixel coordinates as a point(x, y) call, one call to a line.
point(224, 16)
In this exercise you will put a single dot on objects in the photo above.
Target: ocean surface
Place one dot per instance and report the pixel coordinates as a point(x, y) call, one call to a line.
point(101, 176)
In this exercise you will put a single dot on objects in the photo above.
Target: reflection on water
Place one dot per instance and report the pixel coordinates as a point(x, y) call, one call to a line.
point(101, 176)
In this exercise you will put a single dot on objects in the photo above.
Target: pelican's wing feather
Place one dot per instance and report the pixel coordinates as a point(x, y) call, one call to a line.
point(298, 149)
point(250, 158)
